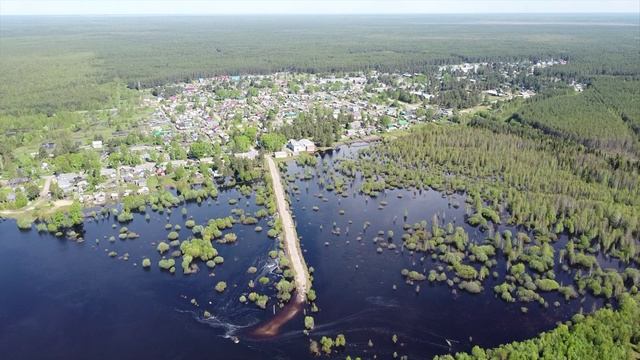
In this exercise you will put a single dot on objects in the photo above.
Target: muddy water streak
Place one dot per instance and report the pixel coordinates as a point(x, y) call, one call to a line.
point(272, 327)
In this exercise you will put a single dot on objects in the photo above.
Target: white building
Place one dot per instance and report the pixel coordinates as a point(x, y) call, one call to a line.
point(301, 145)
point(295, 146)
point(251, 154)
point(280, 154)
point(308, 145)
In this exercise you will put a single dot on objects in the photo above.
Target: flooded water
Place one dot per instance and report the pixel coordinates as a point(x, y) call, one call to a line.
point(62, 299)
point(355, 284)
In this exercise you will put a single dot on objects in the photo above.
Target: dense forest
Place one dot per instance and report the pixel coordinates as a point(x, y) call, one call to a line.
point(607, 334)
point(603, 116)
point(547, 187)
point(545, 184)
point(47, 65)
point(622, 97)
point(318, 124)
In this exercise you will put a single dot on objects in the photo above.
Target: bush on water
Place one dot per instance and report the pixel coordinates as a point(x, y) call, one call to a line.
point(311, 295)
point(229, 238)
point(163, 247)
point(309, 322)
point(327, 344)
point(166, 264)
point(24, 223)
point(262, 300)
point(125, 216)
point(221, 286)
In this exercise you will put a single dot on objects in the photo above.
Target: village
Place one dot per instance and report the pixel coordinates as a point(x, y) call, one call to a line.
point(230, 115)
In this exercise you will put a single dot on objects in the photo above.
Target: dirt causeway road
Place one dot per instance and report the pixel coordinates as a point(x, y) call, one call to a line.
point(291, 242)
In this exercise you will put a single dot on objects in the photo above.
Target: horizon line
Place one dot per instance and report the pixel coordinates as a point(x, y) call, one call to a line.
point(329, 14)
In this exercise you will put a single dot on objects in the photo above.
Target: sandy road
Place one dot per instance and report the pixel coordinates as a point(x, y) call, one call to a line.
point(44, 193)
point(291, 242)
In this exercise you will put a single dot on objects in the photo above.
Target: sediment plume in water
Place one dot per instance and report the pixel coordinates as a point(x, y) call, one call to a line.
point(272, 326)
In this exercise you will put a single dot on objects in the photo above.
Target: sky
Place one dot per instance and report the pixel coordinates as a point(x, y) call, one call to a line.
point(266, 7)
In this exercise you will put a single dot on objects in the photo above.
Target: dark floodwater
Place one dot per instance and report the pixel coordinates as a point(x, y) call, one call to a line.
point(65, 300)
point(62, 299)
point(361, 302)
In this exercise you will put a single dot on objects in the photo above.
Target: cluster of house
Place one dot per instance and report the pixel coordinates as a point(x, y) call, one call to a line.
point(475, 72)
point(75, 186)
point(15, 184)
point(116, 183)
point(199, 112)
point(215, 109)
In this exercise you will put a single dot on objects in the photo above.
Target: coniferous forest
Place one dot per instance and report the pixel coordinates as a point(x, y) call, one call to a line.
point(88, 58)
